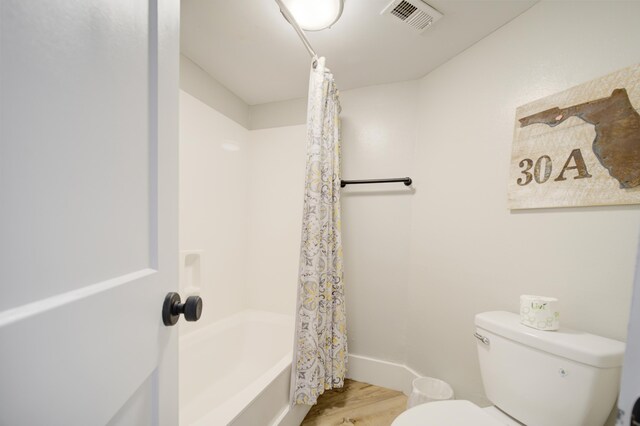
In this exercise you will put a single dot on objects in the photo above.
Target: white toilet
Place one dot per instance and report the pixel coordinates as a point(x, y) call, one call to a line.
point(538, 378)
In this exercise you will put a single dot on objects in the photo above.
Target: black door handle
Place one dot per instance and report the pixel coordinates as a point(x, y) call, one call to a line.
point(172, 308)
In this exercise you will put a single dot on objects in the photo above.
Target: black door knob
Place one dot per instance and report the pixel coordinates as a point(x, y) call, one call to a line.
point(172, 308)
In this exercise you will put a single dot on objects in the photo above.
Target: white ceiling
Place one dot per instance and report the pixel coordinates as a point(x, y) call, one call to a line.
point(248, 46)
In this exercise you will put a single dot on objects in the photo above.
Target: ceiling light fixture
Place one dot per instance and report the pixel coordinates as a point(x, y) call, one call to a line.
point(315, 15)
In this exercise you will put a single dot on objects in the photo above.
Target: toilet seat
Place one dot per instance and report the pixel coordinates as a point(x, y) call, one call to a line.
point(446, 413)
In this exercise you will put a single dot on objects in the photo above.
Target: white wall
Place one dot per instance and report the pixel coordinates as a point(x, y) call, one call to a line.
point(419, 266)
point(213, 205)
point(469, 252)
point(378, 129)
point(378, 126)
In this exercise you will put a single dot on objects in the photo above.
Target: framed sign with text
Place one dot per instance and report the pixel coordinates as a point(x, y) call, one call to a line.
point(580, 147)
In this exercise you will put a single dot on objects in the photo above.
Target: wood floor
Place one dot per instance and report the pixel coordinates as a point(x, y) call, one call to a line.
point(357, 404)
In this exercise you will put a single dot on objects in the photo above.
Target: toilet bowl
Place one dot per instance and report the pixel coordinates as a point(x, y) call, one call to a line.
point(450, 413)
point(562, 378)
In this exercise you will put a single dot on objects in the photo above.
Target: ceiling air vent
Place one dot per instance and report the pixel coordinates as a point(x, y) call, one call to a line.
point(414, 13)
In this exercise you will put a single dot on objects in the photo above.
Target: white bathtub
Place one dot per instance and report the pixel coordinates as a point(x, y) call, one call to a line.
point(236, 372)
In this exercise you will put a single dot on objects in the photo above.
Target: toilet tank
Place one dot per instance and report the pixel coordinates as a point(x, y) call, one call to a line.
point(547, 378)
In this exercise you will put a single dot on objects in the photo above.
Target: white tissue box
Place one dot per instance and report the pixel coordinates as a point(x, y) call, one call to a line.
point(539, 312)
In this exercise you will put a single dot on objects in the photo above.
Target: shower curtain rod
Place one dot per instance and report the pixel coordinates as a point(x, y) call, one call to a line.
point(289, 17)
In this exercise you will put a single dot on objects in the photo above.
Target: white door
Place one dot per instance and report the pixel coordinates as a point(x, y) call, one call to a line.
point(88, 211)
point(629, 398)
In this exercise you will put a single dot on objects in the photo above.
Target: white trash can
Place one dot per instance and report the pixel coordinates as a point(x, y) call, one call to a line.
point(428, 389)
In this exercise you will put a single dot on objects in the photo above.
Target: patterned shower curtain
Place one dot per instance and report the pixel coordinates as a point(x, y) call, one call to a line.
point(320, 352)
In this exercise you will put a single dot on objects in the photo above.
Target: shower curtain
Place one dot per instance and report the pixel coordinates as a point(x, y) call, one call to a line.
point(320, 352)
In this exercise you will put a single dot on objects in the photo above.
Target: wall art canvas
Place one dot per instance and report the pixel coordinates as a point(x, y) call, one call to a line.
point(579, 147)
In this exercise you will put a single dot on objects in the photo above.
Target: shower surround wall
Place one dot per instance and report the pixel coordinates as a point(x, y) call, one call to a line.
point(419, 267)
point(213, 206)
point(277, 172)
point(223, 377)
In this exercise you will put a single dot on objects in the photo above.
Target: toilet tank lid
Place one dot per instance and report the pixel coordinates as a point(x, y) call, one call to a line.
point(578, 346)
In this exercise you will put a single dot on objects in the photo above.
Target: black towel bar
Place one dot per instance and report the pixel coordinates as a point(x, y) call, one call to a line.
point(407, 181)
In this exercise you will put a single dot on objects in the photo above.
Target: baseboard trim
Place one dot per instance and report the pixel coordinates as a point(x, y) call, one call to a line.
point(377, 372)
point(381, 373)
point(292, 416)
